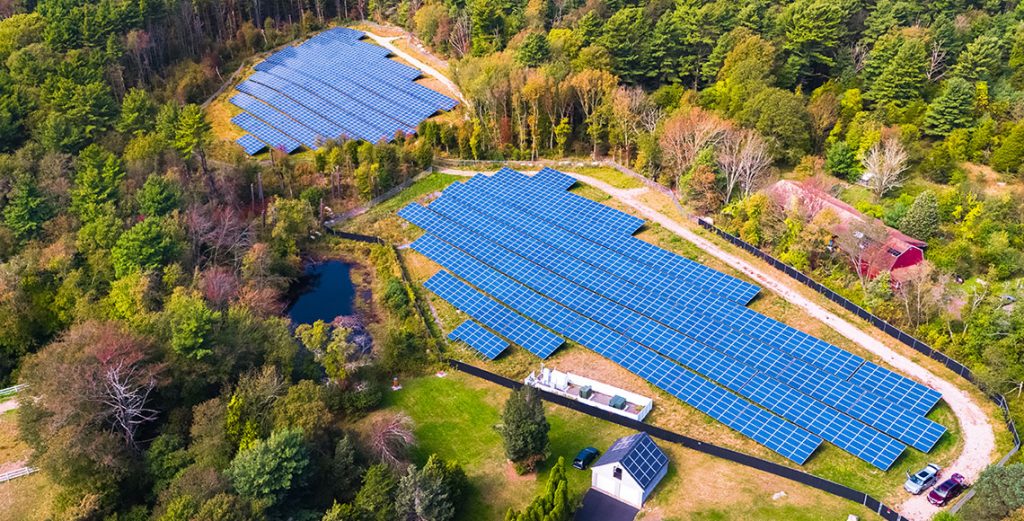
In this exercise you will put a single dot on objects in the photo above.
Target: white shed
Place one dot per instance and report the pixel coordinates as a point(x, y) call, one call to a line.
point(630, 469)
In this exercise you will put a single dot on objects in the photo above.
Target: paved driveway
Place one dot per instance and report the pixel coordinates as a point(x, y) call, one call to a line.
point(600, 507)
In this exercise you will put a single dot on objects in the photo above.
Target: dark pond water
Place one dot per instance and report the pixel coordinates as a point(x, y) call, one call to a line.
point(323, 293)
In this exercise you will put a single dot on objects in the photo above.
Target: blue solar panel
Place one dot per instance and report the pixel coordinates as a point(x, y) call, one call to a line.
point(600, 218)
point(886, 416)
point(473, 334)
point(530, 336)
point(570, 211)
point(356, 126)
point(250, 144)
point(333, 86)
point(356, 102)
point(553, 179)
point(294, 109)
point(348, 88)
point(865, 442)
point(640, 263)
point(897, 387)
point(771, 431)
point(275, 119)
point(267, 134)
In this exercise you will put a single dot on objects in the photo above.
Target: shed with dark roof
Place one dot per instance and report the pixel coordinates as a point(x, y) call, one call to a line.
point(630, 470)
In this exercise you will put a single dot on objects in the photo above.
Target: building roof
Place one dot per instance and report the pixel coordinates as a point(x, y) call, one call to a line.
point(638, 455)
point(809, 199)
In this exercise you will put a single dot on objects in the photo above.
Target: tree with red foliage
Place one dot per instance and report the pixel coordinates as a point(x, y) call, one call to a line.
point(88, 396)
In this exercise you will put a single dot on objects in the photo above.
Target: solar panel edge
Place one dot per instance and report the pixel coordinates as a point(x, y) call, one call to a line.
point(483, 341)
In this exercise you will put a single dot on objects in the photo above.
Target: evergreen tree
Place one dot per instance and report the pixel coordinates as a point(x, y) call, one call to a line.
point(841, 161)
point(551, 505)
point(157, 197)
point(98, 174)
point(377, 496)
point(1008, 157)
point(145, 246)
point(433, 492)
point(952, 109)
point(525, 428)
point(534, 50)
point(998, 492)
point(903, 77)
point(626, 36)
point(982, 59)
point(272, 468)
point(344, 471)
point(813, 31)
point(922, 218)
point(26, 209)
point(137, 112)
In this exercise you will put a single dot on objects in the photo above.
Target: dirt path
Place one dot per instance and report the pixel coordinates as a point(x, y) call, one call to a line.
point(387, 43)
point(978, 435)
point(8, 405)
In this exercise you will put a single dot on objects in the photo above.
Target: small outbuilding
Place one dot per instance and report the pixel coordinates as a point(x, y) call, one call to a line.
point(630, 469)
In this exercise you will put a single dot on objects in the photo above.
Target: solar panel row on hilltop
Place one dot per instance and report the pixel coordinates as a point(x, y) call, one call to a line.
point(330, 87)
point(569, 264)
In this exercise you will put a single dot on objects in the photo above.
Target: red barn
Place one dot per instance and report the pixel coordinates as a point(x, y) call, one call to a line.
point(887, 249)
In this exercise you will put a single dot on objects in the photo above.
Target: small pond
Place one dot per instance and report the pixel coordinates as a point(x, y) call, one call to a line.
point(324, 292)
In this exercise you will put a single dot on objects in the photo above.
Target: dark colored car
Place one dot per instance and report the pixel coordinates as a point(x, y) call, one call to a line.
point(585, 458)
point(947, 490)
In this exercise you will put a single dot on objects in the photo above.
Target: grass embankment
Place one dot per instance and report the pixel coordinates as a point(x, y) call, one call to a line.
point(28, 498)
point(456, 416)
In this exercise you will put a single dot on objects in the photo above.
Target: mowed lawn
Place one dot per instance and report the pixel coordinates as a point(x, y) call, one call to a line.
point(28, 498)
point(455, 417)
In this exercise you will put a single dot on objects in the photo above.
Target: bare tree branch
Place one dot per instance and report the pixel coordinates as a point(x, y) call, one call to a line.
point(884, 166)
point(744, 159)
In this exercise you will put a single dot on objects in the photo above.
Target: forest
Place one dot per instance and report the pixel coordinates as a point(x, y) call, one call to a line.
point(143, 277)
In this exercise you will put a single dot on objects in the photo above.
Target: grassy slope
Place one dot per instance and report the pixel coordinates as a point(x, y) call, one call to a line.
point(455, 418)
point(28, 498)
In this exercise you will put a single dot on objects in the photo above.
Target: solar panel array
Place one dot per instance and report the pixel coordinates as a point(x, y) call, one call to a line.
point(534, 252)
point(330, 87)
point(487, 343)
point(530, 336)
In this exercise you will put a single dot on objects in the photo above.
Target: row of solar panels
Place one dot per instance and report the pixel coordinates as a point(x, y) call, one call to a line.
point(683, 281)
point(841, 429)
point(686, 326)
point(472, 224)
point(332, 86)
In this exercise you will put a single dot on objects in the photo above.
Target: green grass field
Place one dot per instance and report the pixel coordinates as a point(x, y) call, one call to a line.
point(455, 417)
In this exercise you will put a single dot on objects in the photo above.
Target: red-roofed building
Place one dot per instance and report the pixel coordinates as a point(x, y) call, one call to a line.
point(883, 248)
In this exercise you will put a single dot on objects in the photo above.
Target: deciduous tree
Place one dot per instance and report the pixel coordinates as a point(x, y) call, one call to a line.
point(744, 159)
point(885, 165)
point(592, 88)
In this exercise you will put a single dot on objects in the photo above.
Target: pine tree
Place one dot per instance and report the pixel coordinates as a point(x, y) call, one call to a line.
point(841, 161)
point(922, 218)
point(1007, 158)
point(137, 112)
point(525, 428)
point(903, 77)
point(981, 59)
point(953, 109)
point(26, 209)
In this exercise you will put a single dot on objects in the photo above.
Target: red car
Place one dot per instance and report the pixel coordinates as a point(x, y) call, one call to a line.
point(947, 490)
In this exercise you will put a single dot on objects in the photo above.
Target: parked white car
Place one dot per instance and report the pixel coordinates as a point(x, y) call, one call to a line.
point(924, 478)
